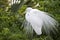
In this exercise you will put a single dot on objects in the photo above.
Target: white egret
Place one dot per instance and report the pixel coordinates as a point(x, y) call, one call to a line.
point(39, 20)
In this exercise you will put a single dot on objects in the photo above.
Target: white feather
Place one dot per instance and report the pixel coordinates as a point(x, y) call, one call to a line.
point(39, 19)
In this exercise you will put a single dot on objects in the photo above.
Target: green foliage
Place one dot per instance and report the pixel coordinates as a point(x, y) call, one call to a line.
point(10, 26)
point(3, 4)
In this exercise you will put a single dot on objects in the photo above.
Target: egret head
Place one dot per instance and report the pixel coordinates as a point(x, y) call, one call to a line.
point(28, 9)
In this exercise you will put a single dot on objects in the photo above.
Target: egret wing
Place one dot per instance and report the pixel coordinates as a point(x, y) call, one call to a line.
point(35, 21)
point(49, 24)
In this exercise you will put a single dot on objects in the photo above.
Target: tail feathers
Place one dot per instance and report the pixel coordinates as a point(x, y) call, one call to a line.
point(50, 24)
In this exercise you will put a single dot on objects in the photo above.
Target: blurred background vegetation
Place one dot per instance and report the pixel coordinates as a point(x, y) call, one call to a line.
point(12, 19)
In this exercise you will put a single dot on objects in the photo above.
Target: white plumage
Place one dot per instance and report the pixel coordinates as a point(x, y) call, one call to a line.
point(39, 19)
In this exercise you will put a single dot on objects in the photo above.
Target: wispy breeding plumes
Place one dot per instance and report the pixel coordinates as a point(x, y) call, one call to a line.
point(39, 21)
